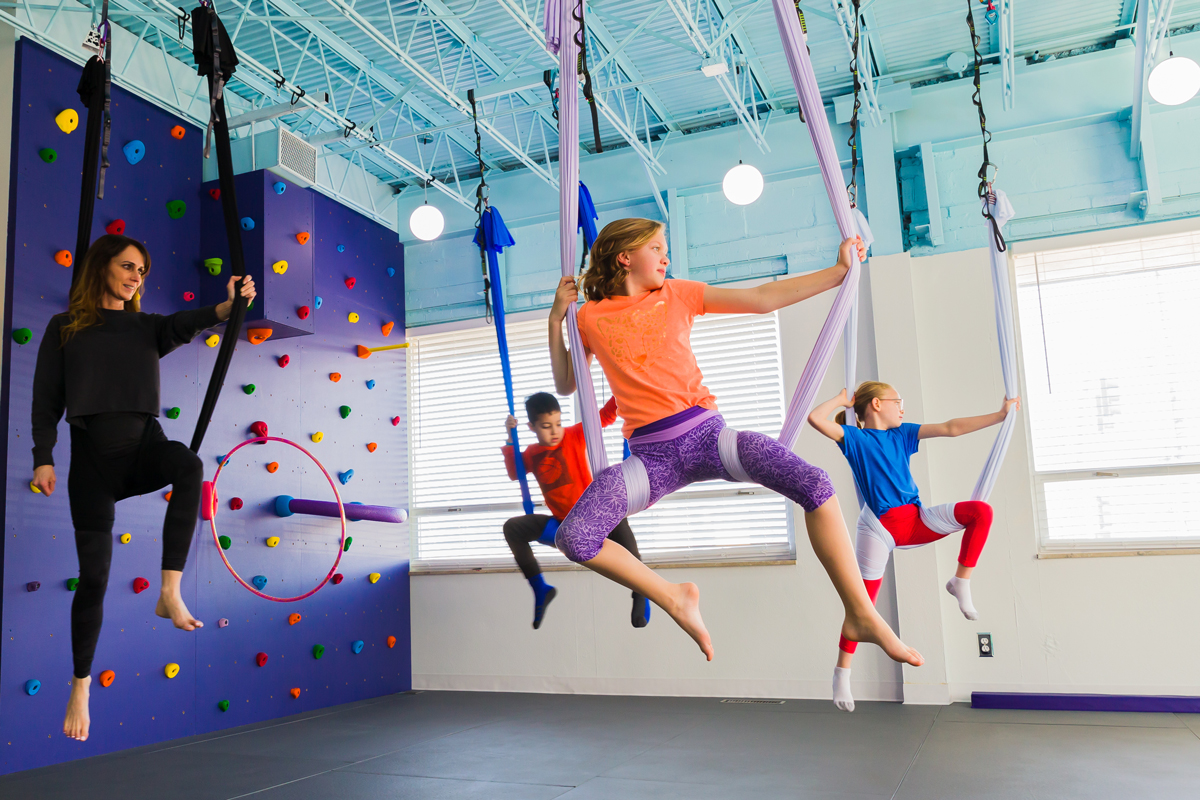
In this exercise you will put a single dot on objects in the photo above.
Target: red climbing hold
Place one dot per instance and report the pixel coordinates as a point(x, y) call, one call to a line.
point(215, 194)
point(259, 428)
point(293, 619)
point(260, 659)
point(296, 693)
point(337, 578)
point(303, 311)
point(117, 227)
point(189, 297)
point(235, 503)
point(395, 421)
point(284, 361)
point(349, 283)
point(140, 585)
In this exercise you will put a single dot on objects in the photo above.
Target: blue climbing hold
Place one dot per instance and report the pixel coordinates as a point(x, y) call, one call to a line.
point(247, 224)
point(345, 477)
point(391, 272)
point(341, 248)
point(283, 506)
point(317, 302)
point(280, 187)
point(135, 151)
point(259, 581)
point(371, 384)
point(357, 646)
point(221, 460)
point(31, 686)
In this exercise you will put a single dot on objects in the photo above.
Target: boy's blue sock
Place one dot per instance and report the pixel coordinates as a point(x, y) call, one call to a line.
point(543, 593)
point(640, 616)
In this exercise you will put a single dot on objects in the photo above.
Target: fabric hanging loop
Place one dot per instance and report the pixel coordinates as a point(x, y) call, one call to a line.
point(95, 92)
point(216, 59)
point(492, 236)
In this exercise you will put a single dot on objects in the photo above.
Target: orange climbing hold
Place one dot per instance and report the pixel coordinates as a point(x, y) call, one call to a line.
point(387, 328)
point(335, 376)
point(178, 131)
point(64, 258)
point(293, 619)
point(167, 497)
point(296, 693)
point(371, 447)
point(258, 335)
point(273, 466)
point(302, 238)
point(391, 640)
point(107, 677)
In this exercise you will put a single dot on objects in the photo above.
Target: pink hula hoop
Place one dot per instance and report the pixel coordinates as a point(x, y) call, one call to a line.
point(341, 511)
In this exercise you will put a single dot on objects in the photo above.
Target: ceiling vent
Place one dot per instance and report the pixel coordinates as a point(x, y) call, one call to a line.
point(278, 150)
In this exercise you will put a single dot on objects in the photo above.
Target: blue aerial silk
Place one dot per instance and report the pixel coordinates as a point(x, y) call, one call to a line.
point(587, 216)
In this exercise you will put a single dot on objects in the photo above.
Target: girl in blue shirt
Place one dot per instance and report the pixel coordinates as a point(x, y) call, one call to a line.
point(878, 450)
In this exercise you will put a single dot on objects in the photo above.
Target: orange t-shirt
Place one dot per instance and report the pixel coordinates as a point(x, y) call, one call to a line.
point(644, 346)
point(562, 471)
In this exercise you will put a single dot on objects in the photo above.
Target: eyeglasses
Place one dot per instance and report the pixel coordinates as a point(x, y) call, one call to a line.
point(899, 400)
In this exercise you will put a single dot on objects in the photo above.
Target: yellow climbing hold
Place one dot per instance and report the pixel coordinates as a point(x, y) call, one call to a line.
point(318, 436)
point(68, 120)
point(126, 538)
point(35, 489)
point(353, 317)
point(213, 340)
point(171, 670)
point(280, 267)
point(272, 541)
point(373, 577)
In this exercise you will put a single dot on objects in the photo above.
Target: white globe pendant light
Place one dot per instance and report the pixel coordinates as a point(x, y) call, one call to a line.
point(1174, 81)
point(742, 185)
point(426, 222)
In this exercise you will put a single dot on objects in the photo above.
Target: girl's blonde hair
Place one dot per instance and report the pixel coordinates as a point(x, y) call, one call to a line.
point(605, 276)
point(863, 395)
point(88, 292)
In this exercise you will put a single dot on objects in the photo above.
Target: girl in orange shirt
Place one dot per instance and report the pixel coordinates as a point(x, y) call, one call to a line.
point(638, 324)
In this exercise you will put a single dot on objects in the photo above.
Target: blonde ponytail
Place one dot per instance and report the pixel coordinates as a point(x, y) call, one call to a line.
point(863, 395)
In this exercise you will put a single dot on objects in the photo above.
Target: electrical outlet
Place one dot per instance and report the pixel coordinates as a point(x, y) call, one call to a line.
point(987, 647)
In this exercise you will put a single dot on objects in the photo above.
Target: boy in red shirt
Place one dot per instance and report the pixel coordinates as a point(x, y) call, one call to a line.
point(559, 463)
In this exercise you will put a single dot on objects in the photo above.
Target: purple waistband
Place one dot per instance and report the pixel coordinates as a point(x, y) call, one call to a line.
point(672, 427)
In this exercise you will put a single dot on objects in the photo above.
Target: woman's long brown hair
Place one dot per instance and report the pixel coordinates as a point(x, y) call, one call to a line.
point(605, 277)
point(89, 290)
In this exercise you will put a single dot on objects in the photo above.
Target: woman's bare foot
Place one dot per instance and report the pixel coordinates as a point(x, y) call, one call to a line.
point(171, 606)
point(871, 628)
point(686, 612)
point(78, 721)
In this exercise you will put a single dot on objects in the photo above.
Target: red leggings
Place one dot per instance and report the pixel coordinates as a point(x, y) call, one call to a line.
point(905, 525)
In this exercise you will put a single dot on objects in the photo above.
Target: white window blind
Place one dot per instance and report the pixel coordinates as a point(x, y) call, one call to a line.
point(461, 494)
point(1108, 335)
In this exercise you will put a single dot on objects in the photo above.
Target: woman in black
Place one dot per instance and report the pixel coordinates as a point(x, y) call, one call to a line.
point(99, 363)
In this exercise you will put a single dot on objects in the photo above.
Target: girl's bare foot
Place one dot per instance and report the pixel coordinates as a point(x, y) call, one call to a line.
point(871, 628)
point(171, 606)
point(686, 612)
point(78, 721)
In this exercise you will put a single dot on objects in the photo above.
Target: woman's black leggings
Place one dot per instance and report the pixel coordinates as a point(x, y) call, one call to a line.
point(119, 456)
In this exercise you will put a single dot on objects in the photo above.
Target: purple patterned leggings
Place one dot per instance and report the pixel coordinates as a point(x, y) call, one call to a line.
point(673, 464)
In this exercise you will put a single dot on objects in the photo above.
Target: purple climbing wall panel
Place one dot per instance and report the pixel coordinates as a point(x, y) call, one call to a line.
point(143, 706)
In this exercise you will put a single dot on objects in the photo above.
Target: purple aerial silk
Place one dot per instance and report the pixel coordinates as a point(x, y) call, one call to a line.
point(552, 24)
point(568, 217)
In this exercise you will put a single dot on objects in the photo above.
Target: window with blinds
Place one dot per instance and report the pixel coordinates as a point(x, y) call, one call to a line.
point(1111, 388)
point(461, 494)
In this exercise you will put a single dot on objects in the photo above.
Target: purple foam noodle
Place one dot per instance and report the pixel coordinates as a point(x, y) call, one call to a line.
point(326, 508)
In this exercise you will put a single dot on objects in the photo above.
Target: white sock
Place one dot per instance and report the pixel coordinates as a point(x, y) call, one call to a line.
point(841, 689)
point(961, 589)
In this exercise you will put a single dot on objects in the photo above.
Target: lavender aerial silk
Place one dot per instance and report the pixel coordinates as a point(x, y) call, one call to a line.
point(568, 213)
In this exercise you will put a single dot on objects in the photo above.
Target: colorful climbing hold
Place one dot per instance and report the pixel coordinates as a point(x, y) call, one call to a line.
point(63, 258)
point(293, 619)
point(353, 316)
point(22, 335)
point(213, 340)
point(35, 489)
point(350, 283)
point(279, 267)
point(273, 467)
point(235, 504)
point(213, 265)
point(249, 388)
point(126, 538)
point(279, 186)
point(371, 384)
point(303, 311)
point(345, 477)
point(395, 421)
point(259, 581)
point(247, 224)
point(134, 151)
point(374, 577)
point(260, 659)
point(337, 578)
point(222, 623)
point(167, 496)
point(371, 447)
point(68, 120)
point(259, 428)
point(176, 209)
point(284, 360)
point(33, 586)
point(140, 585)
point(302, 237)
point(117, 227)
point(272, 541)
point(335, 376)
point(391, 641)
point(107, 677)
point(344, 411)
point(318, 650)
point(317, 301)
point(189, 297)
point(178, 131)
point(173, 413)
point(296, 692)
point(48, 155)
point(387, 328)
point(258, 335)
point(391, 271)
point(317, 437)
point(72, 584)
point(357, 646)
point(341, 248)
point(225, 541)
point(32, 685)
point(215, 194)
point(349, 539)
point(171, 670)
point(223, 705)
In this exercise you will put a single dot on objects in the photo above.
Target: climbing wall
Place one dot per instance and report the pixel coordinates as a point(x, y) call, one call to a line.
point(356, 422)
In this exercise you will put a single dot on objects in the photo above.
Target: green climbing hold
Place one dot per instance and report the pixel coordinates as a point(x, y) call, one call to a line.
point(223, 705)
point(72, 584)
point(48, 155)
point(344, 411)
point(349, 539)
point(249, 388)
point(22, 335)
point(318, 650)
point(225, 541)
point(213, 265)
point(173, 413)
point(176, 209)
